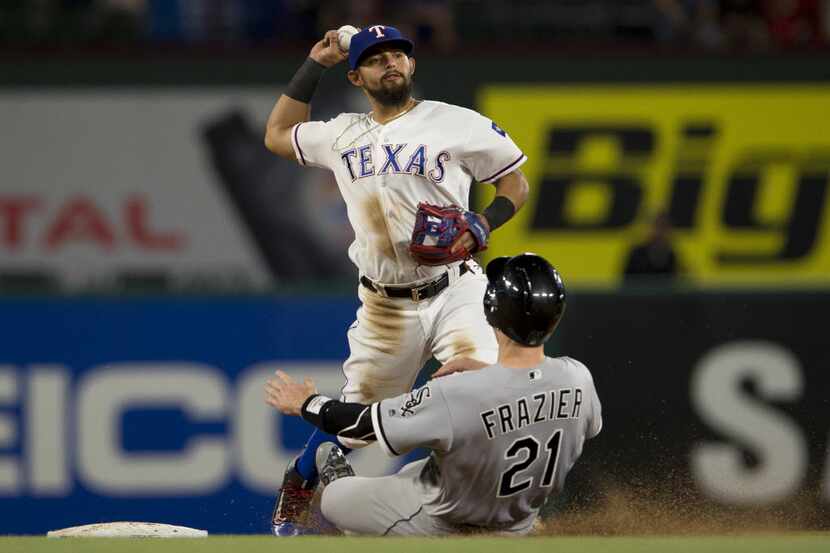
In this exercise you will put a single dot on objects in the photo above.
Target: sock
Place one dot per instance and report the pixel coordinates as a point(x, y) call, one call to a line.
point(305, 463)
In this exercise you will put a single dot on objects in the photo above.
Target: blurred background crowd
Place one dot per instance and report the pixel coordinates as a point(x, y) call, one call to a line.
point(442, 25)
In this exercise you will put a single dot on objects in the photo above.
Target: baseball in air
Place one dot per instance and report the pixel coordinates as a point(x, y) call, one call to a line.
point(344, 36)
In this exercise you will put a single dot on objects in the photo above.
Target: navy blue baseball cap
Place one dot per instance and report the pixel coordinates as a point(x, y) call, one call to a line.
point(374, 35)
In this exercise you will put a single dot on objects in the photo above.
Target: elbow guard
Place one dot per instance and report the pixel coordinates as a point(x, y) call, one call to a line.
point(345, 420)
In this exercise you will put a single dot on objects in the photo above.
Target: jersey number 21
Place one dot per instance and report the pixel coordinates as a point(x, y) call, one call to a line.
point(507, 485)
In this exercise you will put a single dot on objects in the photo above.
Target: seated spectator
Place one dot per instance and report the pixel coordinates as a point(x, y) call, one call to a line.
point(656, 256)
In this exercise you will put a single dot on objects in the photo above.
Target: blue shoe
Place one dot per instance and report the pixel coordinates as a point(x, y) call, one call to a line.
point(292, 505)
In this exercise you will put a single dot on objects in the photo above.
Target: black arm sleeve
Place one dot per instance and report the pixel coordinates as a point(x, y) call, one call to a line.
point(346, 420)
point(305, 80)
point(499, 212)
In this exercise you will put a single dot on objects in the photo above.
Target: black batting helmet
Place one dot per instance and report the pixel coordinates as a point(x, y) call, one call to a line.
point(525, 298)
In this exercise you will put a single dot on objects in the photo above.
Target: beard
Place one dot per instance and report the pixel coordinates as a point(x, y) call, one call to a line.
point(392, 93)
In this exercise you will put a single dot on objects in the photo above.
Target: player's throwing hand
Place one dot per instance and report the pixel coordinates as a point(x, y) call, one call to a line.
point(286, 394)
point(327, 51)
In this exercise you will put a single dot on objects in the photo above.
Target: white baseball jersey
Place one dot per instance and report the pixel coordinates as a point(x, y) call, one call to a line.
point(432, 153)
point(503, 439)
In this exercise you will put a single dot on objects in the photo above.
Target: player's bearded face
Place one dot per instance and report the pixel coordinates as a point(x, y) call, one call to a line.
point(392, 89)
point(387, 78)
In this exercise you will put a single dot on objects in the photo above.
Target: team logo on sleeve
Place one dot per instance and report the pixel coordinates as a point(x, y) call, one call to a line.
point(414, 401)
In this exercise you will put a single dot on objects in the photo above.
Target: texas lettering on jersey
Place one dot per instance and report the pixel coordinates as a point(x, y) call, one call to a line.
point(397, 159)
point(433, 153)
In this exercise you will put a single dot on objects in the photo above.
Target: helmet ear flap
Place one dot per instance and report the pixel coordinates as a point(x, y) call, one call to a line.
point(495, 269)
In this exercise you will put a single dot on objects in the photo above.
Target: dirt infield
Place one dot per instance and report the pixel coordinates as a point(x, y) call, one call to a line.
point(619, 512)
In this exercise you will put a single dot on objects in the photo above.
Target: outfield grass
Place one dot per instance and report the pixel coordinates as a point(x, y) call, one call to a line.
point(772, 543)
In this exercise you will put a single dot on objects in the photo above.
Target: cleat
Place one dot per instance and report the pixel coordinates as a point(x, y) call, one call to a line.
point(292, 505)
point(332, 463)
point(289, 529)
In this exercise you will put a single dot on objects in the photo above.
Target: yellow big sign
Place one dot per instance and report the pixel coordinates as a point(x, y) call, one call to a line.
point(743, 171)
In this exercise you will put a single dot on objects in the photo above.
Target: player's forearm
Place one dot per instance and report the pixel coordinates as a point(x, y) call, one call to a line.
point(511, 194)
point(514, 187)
point(292, 107)
point(342, 419)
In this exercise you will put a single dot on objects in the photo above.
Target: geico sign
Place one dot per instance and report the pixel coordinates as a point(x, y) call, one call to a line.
point(750, 422)
point(65, 427)
point(741, 171)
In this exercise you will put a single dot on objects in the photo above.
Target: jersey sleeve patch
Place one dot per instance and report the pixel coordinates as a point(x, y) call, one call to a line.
point(489, 152)
point(414, 400)
point(417, 419)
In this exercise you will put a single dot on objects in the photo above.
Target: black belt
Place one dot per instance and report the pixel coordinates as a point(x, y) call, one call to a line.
point(415, 293)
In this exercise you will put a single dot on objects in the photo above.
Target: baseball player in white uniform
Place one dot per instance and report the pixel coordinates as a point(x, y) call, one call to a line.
point(403, 152)
point(503, 438)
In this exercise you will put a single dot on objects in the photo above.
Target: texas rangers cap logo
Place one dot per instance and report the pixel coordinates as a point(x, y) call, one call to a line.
point(372, 36)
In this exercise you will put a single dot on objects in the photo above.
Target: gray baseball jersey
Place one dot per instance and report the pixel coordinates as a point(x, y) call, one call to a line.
point(503, 439)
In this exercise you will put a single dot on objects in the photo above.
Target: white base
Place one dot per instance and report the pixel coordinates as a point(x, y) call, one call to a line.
point(128, 530)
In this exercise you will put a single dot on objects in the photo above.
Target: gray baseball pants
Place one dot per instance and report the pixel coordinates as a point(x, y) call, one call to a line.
point(386, 506)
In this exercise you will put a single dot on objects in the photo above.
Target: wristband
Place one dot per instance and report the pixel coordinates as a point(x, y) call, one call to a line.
point(312, 409)
point(499, 212)
point(305, 81)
